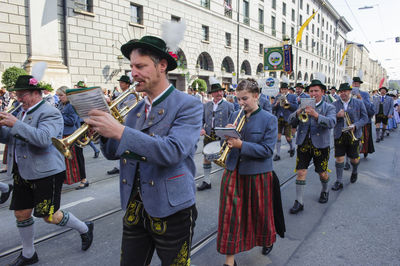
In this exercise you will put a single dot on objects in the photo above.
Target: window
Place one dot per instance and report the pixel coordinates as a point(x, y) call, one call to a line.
point(228, 39)
point(261, 19)
point(283, 29)
point(307, 42)
point(175, 18)
point(323, 22)
point(293, 15)
point(205, 33)
point(273, 26)
point(322, 34)
point(308, 9)
point(84, 5)
point(301, 4)
point(246, 45)
point(292, 34)
point(136, 14)
point(228, 8)
point(312, 28)
point(205, 3)
point(306, 62)
point(301, 20)
point(318, 32)
point(273, 4)
point(246, 18)
point(318, 18)
point(312, 64)
point(299, 60)
point(284, 9)
point(261, 48)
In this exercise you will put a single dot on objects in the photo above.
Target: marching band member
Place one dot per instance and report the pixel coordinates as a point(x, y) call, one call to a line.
point(156, 147)
point(334, 94)
point(313, 142)
point(300, 94)
point(383, 111)
point(264, 103)
point(368, 144)
point(347, 142)
point(216, 114)
point(249, 187)
point(283, 112)
point(38, 169)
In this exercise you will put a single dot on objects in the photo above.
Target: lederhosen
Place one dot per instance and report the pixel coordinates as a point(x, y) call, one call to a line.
point(380, 117)
point(345, 145)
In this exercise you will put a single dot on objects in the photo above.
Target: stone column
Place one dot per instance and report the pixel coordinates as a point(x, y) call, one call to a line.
point(44, 42)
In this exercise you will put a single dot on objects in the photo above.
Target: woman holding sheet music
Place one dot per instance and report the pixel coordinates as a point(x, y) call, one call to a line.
point(75, 167)
point(247, 200)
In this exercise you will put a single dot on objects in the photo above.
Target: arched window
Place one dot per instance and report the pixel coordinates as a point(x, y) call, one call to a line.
point(205, 61)
point(245, 68)
point(227, 63)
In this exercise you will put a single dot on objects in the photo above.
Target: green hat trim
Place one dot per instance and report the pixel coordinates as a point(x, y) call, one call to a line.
point(153, 44)
point(26, 82)
point(316, 82)
point(344, 87)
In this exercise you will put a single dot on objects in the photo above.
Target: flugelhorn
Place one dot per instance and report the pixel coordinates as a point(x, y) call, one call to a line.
point(284, 102)
point(303, 116)
point(11, 108)
point(221, 161)
point(81, 136)
point(348, 129)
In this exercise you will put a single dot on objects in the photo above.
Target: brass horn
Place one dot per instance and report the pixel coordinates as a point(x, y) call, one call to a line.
point(81, 136)
point(221, 161)
point(303, 116)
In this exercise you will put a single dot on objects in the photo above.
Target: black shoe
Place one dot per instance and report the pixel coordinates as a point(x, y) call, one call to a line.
point(291, 153)
point(277, 158)
point(234, 263)
point(337, 186)
point(296, 207)
point(387, 134)
point(378, 140)
point(4, 196)
point(323, 198)
point(96, 154)
point(21, 260)
point(346, 166)
point(382, 137)
point(114, 171)
point(87, 238)
point(365, 155)
point(353, 178)
point(3, 171)
point(82, 185)
point(204, 186)
point(266, 250)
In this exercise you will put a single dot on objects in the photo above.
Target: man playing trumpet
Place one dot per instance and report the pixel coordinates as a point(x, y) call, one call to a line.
point(351, 117)
point(313, 142)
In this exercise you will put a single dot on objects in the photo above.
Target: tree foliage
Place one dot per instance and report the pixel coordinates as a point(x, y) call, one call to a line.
point(11, 75)
point(199, 85)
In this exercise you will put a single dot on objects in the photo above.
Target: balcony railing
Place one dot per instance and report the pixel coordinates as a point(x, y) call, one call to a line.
point(273, 32)
point(228, 13)
point(261, 27)
point(205, 3)
point(246, 20)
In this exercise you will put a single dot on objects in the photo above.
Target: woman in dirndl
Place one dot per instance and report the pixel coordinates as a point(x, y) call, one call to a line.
point(75, 167)
point(250, 207)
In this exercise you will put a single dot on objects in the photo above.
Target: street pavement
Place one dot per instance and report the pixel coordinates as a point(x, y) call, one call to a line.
point(358, 226)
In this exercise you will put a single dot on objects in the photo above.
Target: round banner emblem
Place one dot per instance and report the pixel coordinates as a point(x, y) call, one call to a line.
point(275, 59)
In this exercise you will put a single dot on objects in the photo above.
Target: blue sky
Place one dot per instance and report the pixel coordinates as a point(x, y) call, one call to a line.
point(376, 28)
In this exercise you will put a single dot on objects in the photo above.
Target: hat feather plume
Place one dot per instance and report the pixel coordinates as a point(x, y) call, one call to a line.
point(173, 33)
point(360, 74)
point(213, 80)
point(347, 79)
point(285, 79)
point(38, 70)
point(320, 76)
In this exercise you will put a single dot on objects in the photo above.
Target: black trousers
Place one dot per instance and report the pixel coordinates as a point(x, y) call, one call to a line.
point(170, 236)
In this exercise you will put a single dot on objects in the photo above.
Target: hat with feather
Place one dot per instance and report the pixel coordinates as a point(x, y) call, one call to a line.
point(319, 80)
point(215, 85)
point(31, 82)
point(359, 77)
point(172, 34)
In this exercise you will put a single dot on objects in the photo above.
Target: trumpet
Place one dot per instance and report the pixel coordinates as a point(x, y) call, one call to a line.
point(81, 136)
point(11, 108)
point(283, 102)
point(348, 129)
point(221, 161)
point(303, 116)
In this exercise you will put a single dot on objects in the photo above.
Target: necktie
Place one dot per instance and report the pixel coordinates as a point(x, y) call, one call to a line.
point(146, 110)
point(383, 98)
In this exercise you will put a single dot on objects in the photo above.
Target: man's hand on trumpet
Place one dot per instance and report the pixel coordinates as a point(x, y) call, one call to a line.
point(7, 119)
point(105, 124)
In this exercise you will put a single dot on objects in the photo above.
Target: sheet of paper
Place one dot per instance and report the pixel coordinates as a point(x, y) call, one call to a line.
point(86, 99)
point(230, 132)
point(304, 102)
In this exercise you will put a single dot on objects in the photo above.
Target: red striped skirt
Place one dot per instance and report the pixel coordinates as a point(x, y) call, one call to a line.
point(73, 174)
point(246, 216)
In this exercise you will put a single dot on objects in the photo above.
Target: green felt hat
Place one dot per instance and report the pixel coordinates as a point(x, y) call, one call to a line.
point(125, 78)
point(153, 44)
point(344, 87)
point(26, 82)
point(316, 82)
point(216, 87)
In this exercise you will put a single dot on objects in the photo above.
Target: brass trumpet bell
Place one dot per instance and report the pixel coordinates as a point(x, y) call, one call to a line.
point(81, 136)
point(303, 117)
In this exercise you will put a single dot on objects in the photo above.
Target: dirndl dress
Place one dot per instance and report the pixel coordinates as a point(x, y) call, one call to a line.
point(75, 167)
point(246, 214)
point(367, 145)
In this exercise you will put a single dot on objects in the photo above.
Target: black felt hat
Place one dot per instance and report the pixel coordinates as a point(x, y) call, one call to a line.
point(153, 44)
point(333, 88)
point(316, 82)
point(383, 88)
point(26, 82)
point(299, 85)
point(125, 78)
point(344, 87)
point(216, 87)
point(284, 85)
point(357, 79)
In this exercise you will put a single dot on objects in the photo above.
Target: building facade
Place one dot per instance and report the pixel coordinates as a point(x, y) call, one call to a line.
point(80, 39)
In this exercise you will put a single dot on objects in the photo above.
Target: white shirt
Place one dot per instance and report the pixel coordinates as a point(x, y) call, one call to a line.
point(345, 104)
point(215, 107)
point(148, 104)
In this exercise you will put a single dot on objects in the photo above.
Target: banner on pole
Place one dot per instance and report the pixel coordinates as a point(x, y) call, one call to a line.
point(273, 59)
